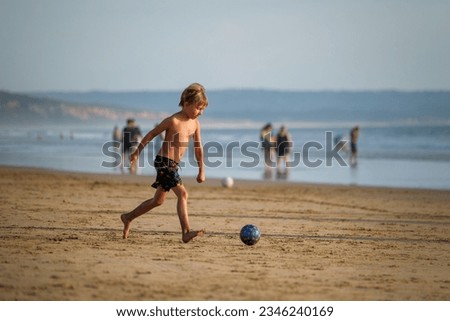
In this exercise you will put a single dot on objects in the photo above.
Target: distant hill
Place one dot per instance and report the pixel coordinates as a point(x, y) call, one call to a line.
point(229, 106)
point(153, 100)
point(20, 109)
point(273, 105)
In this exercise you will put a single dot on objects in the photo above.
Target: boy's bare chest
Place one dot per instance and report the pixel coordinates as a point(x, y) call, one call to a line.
point(184, 132)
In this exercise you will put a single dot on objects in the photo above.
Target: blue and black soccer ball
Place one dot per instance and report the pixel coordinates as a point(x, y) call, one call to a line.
point(250, 234)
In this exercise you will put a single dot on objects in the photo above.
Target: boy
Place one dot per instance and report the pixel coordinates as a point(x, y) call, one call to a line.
point(178, 129)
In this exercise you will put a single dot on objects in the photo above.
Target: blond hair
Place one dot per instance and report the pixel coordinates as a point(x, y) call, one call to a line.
point(193, 94)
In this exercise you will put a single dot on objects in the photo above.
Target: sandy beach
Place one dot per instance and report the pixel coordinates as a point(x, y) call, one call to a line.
point(61, 239)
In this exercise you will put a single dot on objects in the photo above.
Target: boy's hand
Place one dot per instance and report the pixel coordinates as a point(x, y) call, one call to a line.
point(200, 177)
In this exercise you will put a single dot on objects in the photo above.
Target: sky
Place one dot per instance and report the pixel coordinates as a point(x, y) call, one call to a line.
point(133, 45)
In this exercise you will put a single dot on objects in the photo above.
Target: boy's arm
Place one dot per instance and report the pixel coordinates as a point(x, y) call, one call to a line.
point(148, 137)
point(198, 150)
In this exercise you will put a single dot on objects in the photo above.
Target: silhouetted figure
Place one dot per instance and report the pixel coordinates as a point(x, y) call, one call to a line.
point(283, 148)
point(116, 139)
point(267, 145)
point(354, 135)
point(131, 137)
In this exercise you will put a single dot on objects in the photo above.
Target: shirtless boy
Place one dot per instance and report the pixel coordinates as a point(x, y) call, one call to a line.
point(178, 128)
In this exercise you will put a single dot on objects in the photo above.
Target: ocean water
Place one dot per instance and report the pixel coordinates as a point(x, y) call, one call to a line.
point(404, 136)
point(405, 156)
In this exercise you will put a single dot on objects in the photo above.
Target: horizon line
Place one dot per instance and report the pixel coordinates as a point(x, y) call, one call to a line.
point(266, 89)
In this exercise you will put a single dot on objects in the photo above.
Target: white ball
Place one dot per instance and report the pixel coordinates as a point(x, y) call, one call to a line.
point(227, 182)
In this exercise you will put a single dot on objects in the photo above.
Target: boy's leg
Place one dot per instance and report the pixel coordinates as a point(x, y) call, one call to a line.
point(182, 196)
point(157, 200)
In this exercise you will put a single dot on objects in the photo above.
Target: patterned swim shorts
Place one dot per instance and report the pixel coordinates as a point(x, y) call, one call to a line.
point(166, 173)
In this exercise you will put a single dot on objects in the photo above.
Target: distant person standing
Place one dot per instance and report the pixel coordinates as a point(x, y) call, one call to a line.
point(267, 144)
point(283, 148)
point(354, 135)
point(131, 137)
point(116, 139)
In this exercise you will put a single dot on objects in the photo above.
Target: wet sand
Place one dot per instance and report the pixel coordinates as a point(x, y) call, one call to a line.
point(61, 239)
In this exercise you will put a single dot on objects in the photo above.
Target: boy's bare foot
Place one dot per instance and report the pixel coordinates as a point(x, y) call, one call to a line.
point(191, 234)
point(126, 225)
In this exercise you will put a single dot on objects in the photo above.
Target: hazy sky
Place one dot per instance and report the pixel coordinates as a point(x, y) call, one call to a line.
point(279, 44)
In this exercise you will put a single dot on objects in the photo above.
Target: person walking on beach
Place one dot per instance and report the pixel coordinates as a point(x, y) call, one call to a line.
point(354, 135)
point(283, 146)
point(131, 136)
point(178, 128)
